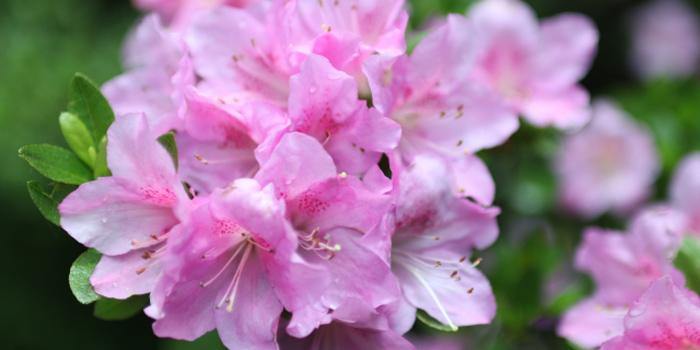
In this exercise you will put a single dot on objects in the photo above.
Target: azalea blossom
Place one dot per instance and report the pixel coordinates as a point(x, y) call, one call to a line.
point(431, 247)
point(158, 72)
point(440, 110)
point(609, 165)
point(128, 216)
point(665, 317)
point(536, 66)
point(665, 40)
point(685, 190)
point(622, 266)
point(246, 55)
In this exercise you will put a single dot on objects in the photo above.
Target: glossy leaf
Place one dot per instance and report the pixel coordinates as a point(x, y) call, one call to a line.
point(47, 205)
point(115, 309)
point(79, 276)
point(101, 168)
point(56, 163)
point(78, 137)
point(168, 141)
point(688, 261)
point(433, 323)
point(91, 107)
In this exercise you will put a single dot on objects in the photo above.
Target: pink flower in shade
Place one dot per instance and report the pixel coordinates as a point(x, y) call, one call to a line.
point(442, 111)
point(665, 40)
point(664, 318)
point(331, 213)
point(178, 13)
point(340, 335)
point(158, 72)
point(129, 215)
point(685, 190)
point(218, 142)
point(622, 266)
point(609, 165)
point(435, 234)
point(245, 55)
point(347, 32)
point(535, 66)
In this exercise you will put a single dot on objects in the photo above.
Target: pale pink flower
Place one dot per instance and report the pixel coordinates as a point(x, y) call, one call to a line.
point(179, 13)
point(609, 165)
point(158, 71)
point(435, 233)
point(331, 214)
point(685, 190)
point(129, 215)
point(536, 66)
point(442, 111)
point(622, 266)
point(665, 317)
point(665, 40)
point(245, 55)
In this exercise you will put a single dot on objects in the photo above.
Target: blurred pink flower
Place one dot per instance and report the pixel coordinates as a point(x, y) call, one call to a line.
point(665, 317)
point(622, 266)
point(609, 165)
point(179, 13)
point(536, 66)
point(665, 40)
point(685, 190)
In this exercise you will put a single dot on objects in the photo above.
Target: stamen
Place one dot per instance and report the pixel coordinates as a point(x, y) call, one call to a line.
point(230, 260)
point(237, 278)
point(470, 290)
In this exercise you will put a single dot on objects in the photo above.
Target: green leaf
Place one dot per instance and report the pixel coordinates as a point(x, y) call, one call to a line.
point(91, 107)
point(101, 168)
point(78, 137)
point(688, 261)
point(433, 323)
point(47, 205)
point(56, 163)
point(79, 276)
point(115, 309)
point(168, 141)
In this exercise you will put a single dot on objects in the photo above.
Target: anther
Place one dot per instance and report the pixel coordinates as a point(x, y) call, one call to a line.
point(470, 290)
point(442, 114)
point(201, 159)
point(462, 259)
point(438, 263)
point(140, 271)
point(454, 273)
point(476, 262)
point(459, 109)
point(460, 143)
point(437, 238)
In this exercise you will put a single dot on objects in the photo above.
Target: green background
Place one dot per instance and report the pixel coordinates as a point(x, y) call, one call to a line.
point(42, 45)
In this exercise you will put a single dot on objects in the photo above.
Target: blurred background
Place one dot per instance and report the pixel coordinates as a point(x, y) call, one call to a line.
point(44, 42)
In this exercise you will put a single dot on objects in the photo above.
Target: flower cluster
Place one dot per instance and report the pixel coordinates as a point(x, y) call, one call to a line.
point(325, 185)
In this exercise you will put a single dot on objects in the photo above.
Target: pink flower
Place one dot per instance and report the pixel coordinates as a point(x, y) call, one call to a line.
point(435, 234)
point(331, 214)
point(535, 66)
point(158, 72)
point(441, 111)
point(129, 215)
point(609, 165)
point(664, 318)
point(218, 142)
point(233, 258)
point(246, 55)
point(178, 13)
point(665, 40)
point(369, 333)
point(323, 103)
point(622, 266)
point(685, 190)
